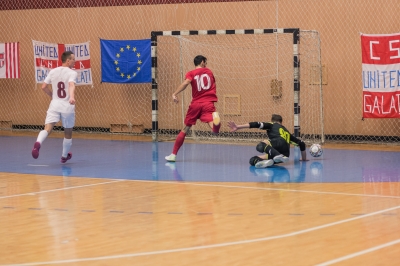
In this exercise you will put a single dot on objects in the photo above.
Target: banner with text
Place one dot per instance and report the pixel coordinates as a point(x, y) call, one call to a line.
point(48, 56)
point(381, 75)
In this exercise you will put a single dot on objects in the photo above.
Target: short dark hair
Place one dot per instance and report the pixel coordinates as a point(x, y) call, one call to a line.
point(66, 55)
point(276, 118)
point(198, 59)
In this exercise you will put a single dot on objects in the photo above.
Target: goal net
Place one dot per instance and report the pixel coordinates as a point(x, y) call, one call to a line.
point(257, 75)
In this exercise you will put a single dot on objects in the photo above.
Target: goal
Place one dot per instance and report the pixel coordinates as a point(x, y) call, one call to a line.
point(259, 72)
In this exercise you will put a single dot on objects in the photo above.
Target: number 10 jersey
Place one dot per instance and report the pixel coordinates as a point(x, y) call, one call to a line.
point(203, 85)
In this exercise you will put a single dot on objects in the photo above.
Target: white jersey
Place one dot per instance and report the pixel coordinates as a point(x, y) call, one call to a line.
point(59, 79)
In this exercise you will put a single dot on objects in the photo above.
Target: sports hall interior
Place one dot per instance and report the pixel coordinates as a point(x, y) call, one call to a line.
point(118, 202)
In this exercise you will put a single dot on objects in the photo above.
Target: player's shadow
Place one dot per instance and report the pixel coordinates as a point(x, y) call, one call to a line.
point(66, 170)
point(275, 174)
point(280, 174)
point(174, 170)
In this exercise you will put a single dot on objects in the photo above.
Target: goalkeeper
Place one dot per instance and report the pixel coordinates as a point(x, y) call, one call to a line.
point(276, 149)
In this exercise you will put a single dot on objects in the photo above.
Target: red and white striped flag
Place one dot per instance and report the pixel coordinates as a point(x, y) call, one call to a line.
point(9, 60)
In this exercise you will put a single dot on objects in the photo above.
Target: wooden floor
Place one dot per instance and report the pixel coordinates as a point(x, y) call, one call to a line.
point(66, 220)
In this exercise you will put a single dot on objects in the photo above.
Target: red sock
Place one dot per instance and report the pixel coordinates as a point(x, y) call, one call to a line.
point(215, 128)
point(178, 142)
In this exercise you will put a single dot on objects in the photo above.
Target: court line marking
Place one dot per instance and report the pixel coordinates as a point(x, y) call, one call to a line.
point(350, 256)
point(208, 185)
point(260, 188)
point(58, 189)
point(207, 246)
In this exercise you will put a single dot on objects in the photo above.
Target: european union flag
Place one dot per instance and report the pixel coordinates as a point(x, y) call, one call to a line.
point(126, 61)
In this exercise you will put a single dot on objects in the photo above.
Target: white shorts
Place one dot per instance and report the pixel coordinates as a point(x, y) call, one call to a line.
point(61, 111)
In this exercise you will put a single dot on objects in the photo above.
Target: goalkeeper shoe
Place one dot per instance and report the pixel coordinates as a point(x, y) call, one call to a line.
point(264, 163)
point(171, 158)
point(35, 150)
point(65, 159)
point(281, 158)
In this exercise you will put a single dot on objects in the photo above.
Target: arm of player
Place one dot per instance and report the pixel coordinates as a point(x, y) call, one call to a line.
point(46, 89)
point(232, 125)
point(259, 125)
point(297, 142)
point(71, 89)
point(181, 88)
point(303, 156)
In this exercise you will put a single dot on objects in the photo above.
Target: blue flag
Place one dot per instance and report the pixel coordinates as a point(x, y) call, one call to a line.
point(126, 61)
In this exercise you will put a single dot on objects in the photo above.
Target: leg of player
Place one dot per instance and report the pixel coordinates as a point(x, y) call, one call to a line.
point(264, 163)
point(281, 158)
point(261, 161)
point(178, 144)
point(41, 137)
point(265, 147)
point(216, 122)
point(67, 143)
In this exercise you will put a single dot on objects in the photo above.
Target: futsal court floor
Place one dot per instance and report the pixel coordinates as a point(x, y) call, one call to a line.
point(118, 202)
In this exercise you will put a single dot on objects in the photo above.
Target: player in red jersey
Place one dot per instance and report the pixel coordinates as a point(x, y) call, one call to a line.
point(204, 94)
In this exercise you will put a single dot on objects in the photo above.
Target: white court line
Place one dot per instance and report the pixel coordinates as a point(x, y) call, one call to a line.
point(207, 185)
point(225, 186)
point(276, 189)
point(208, 246)
point(38, 165)
point(360, 253)
point(58, 189)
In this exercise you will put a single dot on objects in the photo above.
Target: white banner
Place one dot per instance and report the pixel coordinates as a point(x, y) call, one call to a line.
point(48, 56)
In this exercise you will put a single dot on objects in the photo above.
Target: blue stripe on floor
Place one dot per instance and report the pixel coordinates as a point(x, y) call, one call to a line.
point(195, 162)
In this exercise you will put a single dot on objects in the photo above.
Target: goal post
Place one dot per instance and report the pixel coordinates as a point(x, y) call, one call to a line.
point(258, 73)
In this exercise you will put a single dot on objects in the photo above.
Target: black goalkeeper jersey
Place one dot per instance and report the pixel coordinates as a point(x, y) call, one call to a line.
point(278, 135)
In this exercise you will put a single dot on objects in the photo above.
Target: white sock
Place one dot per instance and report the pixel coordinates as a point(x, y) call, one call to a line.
point(67, 143)
point(42, 136)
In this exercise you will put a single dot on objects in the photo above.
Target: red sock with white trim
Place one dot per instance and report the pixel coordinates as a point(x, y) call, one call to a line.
point(215, 128)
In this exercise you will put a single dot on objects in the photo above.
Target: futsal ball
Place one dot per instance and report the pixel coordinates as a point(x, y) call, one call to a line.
point(316, 150)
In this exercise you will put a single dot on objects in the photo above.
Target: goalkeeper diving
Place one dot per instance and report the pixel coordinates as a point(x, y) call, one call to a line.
point(275, 149)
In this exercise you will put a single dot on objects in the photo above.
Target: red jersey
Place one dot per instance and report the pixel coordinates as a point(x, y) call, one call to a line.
point(203, 85)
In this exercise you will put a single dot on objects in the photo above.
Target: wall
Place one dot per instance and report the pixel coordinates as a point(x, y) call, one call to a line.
point(339, 24)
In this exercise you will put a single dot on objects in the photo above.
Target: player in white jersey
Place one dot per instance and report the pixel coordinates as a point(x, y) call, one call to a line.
point(62, 105)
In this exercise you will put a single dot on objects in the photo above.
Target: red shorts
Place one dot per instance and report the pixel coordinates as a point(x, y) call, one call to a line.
point(202, 111)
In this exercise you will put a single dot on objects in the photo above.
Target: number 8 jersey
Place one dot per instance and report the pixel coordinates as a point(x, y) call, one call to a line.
point(203, 85)
point(59, 79)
